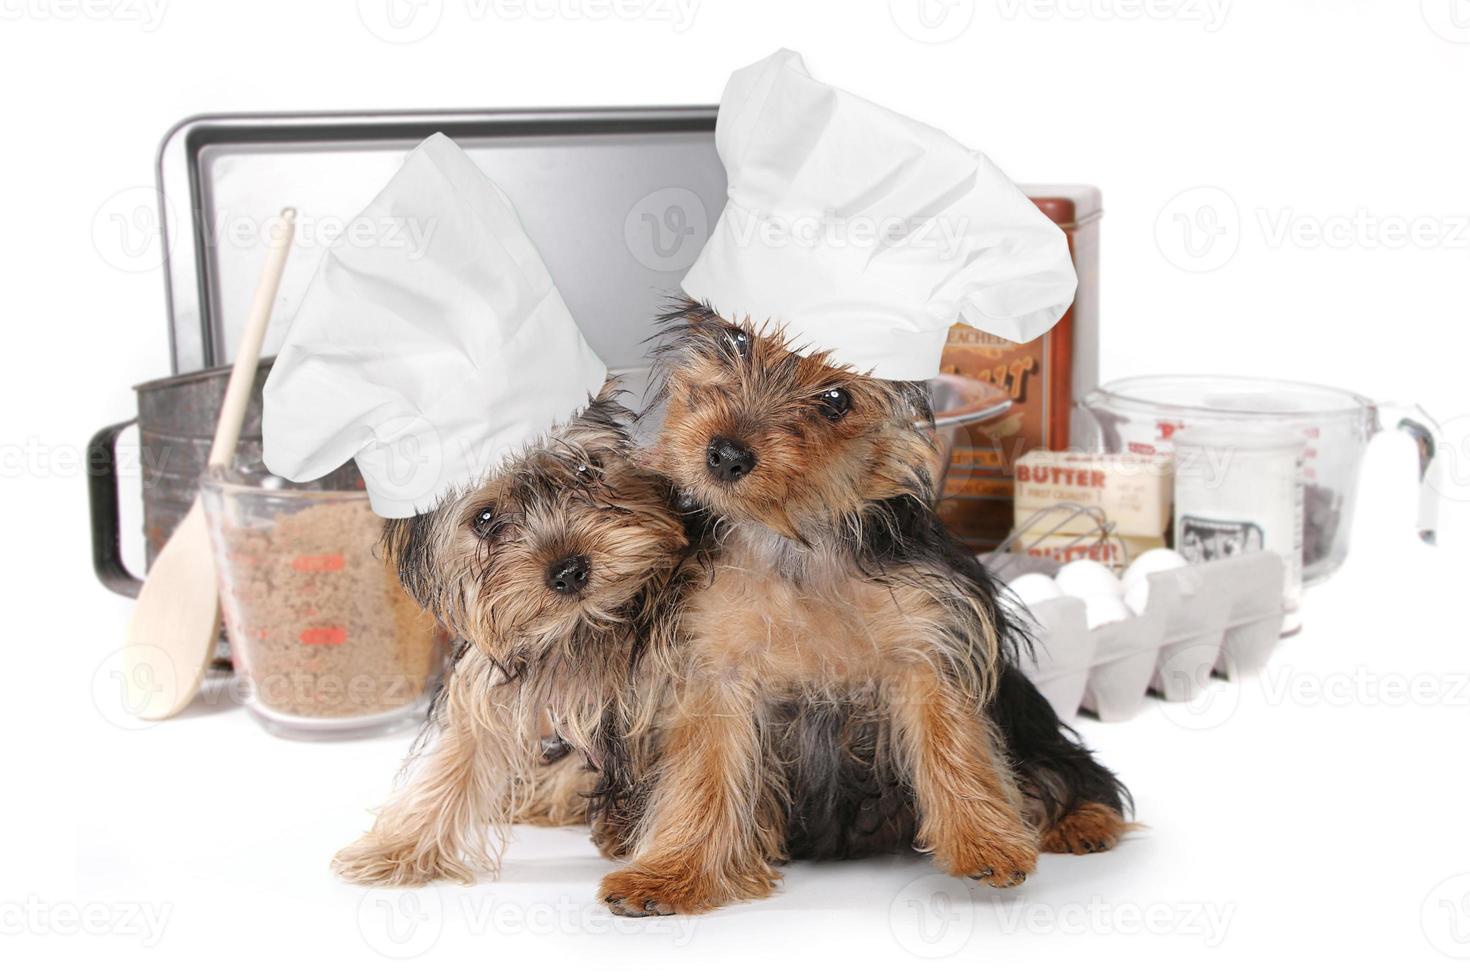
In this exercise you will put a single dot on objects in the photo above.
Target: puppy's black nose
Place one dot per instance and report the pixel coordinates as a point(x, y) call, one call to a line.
point(568, 576)
point(728, 459)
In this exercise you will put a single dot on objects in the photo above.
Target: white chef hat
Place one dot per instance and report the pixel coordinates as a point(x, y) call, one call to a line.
point(431, 344)
point(867, 233)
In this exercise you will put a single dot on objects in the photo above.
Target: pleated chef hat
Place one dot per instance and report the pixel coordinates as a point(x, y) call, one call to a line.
point(867, 233)
point(431, 344)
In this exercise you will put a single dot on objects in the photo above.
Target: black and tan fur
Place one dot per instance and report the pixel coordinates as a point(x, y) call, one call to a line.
point(483, 562)
point(842, 678)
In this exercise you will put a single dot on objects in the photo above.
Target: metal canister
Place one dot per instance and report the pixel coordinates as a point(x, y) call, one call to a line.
point(176, 418)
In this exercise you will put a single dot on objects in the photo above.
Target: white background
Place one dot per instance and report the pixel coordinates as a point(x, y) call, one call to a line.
point(1318, 813)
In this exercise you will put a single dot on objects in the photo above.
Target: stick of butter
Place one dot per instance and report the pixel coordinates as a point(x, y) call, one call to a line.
point(1135, 492)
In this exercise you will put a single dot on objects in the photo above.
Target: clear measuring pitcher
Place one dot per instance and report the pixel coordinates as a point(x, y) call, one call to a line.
point(1142, 414)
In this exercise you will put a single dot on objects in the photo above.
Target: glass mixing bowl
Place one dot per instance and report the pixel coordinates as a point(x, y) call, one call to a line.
point(1142, 414)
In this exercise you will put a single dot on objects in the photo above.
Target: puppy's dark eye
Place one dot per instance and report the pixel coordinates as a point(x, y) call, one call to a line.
point(738, 341)
point(483, 523)
point(834, 403)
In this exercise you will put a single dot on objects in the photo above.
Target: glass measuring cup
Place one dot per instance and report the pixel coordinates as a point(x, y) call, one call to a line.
point(328, 642)
point(1142, 414)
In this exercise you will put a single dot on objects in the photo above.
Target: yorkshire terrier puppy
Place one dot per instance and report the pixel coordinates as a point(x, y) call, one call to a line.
point(843, 679)
point(548, 572)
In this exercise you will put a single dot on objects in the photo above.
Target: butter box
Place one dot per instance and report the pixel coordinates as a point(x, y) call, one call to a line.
point(1135, 492)
point(1063, 548)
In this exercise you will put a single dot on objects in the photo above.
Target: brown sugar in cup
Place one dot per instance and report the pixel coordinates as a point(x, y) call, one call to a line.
point(327, 640)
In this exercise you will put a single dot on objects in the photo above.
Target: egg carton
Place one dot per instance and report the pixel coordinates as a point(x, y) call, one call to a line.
point(1221, 616)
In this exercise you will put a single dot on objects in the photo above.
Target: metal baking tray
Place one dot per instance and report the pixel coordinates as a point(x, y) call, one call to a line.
point(619, 202)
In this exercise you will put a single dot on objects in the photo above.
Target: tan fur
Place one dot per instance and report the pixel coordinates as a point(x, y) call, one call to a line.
point(962, 785)
point(1090, 828)
point(531, 652)
point(725, 830)
point(785, 612)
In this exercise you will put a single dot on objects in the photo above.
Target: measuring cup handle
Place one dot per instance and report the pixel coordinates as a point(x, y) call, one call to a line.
point(1414, 422)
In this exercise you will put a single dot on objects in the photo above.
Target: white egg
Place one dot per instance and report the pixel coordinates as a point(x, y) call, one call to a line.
point(1104, 609)
point(1157, 560)
point(1087, 578)
point(1136, 597)
point(1034, 588)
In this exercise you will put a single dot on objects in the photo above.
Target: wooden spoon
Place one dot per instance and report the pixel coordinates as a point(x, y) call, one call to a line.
point(176, 622)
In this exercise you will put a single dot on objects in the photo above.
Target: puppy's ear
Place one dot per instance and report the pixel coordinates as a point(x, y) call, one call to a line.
point(604, 422)
point(408, 546)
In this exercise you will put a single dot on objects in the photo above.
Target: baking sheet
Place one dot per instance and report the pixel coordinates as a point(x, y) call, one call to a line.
point(619, 201)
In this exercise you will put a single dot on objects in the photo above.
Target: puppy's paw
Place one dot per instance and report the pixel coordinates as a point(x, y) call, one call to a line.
point(654, 889)
point(999, 863)
point(375, 860)
point(1088, 829)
